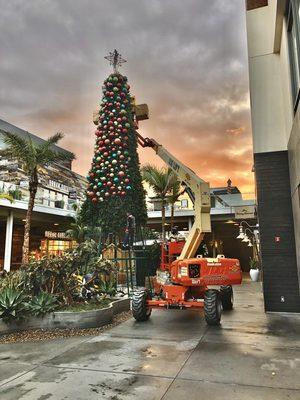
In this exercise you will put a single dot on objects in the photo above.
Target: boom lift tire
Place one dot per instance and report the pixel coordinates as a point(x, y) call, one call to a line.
point(140, 311)
point(227, 297)
point(212, 307)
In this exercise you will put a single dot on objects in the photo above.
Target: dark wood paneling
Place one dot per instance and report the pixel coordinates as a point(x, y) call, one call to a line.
point(280, 276)
point(252, 4)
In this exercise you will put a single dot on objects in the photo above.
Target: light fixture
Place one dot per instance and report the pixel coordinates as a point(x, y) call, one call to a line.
point(246, 239)
point(56, 224)
point(241, 234)
point(24, 220)
point(230, 221)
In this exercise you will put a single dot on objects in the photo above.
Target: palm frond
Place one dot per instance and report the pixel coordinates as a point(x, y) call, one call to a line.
point(20, 149)
point(46, 154)
point(15, 145)
point(160, 179)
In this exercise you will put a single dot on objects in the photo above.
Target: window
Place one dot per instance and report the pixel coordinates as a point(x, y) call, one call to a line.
point(184, 203)
point(293, 30)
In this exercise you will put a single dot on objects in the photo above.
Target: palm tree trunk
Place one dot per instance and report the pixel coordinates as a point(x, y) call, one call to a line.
point(172, 215)
point(33, 185)
point(163, 219)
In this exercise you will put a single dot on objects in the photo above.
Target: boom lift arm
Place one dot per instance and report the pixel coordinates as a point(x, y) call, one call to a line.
point(198, 191)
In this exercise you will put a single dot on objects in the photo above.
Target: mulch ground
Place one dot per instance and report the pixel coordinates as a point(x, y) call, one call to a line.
point(36, 335)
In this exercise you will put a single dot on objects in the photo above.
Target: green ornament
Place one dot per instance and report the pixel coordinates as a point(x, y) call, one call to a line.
point(115, 89)
point(100, 184)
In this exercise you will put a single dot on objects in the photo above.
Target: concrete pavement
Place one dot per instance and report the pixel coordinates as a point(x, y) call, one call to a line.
point(174, 355)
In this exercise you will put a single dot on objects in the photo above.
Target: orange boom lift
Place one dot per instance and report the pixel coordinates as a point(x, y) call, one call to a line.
point(184, 281)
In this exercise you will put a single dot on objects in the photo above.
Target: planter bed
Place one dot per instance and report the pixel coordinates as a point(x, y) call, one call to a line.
point(69, 319)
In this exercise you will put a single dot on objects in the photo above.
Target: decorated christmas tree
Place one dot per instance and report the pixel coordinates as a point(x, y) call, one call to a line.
point(114, 180)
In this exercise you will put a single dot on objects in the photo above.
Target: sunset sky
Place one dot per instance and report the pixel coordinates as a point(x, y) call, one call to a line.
point(186, 59)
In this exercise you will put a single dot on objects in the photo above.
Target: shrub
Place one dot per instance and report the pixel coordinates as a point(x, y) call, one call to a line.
point(12, 304)
point(14, 279)
point(42, 304)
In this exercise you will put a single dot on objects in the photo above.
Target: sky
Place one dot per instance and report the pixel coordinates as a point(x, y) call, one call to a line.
point(186, 59)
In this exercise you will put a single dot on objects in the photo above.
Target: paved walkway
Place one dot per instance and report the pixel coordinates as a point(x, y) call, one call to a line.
point(173, 356)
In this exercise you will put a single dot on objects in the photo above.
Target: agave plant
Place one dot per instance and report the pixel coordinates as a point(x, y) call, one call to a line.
point(42, 304)
point(12, 304)
point(108, 288)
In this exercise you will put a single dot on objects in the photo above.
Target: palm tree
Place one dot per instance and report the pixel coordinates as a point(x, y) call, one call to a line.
point(175, 193)
point(161, 181)
point(32, 157)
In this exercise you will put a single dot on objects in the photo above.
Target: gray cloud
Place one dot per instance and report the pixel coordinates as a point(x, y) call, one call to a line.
point(186, 59)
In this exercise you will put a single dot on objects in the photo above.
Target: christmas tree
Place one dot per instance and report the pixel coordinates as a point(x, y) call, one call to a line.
point(115, 183)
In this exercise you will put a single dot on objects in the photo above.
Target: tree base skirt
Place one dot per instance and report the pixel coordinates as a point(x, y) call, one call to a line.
point(69, 319)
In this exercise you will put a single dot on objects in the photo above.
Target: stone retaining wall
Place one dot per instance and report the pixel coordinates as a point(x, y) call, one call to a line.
point(69, 319)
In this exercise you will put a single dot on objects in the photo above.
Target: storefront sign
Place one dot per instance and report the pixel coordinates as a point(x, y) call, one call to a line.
point(58, 185)
point(55, 235)
point(244, 212)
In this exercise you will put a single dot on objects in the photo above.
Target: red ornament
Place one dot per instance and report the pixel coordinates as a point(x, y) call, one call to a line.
point(118, 141)
point(94, 199)
point(107, 141)
point(121, 173)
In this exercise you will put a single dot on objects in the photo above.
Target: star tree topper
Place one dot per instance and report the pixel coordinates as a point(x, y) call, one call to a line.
point(115, 59)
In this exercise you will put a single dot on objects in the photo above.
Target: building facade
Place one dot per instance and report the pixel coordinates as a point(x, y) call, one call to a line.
point(59, 190)
point(273, 33)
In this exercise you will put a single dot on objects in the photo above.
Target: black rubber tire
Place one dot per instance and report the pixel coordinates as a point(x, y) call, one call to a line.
point(212, 307)
point(140, 311)
point(227, 297)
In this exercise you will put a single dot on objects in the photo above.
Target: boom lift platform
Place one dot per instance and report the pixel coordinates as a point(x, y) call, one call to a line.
point(184, 281)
